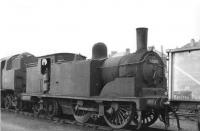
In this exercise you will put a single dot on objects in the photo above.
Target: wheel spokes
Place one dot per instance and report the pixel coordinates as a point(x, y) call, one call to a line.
point(8, 102)
point(120, 115)
point(81, 116)
point(36, 109)
point(148, 118)
point(52, 108)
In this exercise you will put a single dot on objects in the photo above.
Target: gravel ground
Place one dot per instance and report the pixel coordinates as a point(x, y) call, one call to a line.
point(16, 122)
point(186, 125)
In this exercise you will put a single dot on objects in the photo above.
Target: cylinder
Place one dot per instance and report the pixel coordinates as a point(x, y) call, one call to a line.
point(99, 51)
point(141, 38)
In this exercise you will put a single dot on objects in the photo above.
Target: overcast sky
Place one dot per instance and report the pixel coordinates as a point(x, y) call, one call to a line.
point(51, 26)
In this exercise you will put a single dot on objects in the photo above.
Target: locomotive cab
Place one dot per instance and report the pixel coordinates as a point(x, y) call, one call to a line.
point(46, 73)
point(43, 76)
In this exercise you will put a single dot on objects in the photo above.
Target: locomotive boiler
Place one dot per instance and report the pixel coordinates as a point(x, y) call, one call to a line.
point(144, 67)
point(123, 90)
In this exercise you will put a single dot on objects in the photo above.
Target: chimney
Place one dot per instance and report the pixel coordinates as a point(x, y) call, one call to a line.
point(141, 38)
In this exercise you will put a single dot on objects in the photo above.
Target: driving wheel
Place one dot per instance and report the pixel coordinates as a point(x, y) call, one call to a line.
point(117, 115)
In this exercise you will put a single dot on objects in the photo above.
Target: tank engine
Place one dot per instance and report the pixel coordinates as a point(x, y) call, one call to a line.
point(123, 90)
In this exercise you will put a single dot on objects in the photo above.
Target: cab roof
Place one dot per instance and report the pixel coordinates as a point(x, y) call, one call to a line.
point(55, 54)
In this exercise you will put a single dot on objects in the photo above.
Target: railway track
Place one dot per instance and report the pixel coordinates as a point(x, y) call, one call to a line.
point(71, 121)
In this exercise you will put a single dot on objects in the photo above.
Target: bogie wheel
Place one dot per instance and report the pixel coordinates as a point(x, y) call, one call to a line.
point(148, 118)
point(118, 115)
point(52, 108)
point(81, 116)
point(8, 102)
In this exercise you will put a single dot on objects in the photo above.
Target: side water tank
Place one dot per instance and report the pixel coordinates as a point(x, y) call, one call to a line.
point(99, 51)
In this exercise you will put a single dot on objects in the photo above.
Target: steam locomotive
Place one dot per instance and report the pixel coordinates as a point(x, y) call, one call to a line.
point(122, 90)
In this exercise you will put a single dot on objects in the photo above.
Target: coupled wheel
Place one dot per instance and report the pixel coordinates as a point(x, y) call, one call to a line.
point(147, 118)
point(118, 115)
point(81, 116)
point(8, 102)
point(52, 108)
point(36, 108)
